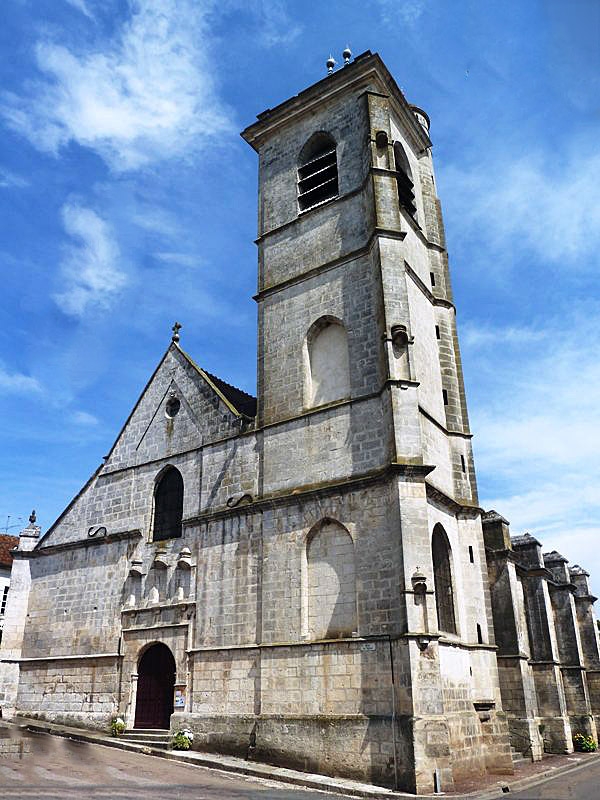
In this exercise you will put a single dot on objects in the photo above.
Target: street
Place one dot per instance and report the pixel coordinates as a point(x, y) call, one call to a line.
point(582, 784)
point(63, 769)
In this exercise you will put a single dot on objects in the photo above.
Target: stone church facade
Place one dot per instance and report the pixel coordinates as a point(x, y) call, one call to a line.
point(307, 577)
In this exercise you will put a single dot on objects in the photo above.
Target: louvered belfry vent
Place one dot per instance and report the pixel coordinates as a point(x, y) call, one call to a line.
point(318, 175)
point(406, 193)
point(406, 187)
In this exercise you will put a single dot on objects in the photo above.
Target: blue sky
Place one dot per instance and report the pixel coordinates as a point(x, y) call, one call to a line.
point(128, 200)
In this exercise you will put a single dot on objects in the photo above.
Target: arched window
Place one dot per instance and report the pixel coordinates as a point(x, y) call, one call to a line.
point(442, 576)
point(406, 186)
point(168, 505)
point(331, 582)
point(317, 171)
point(328, 362)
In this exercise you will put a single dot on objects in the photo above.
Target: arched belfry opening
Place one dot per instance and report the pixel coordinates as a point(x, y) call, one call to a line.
point(155, 687)
point(404, 180)
point(317, 171)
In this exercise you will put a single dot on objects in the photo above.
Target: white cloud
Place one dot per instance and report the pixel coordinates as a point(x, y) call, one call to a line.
point(89, 268)
point(535, 414)
point(405, 11)
point(543, 409)
point(475, 336)
point(85, 419)
point(82, 6)
point(147, 95)
point(544, 204)
point(9, 180)
point(17, 383)
point(274, 23)
point(180, 259)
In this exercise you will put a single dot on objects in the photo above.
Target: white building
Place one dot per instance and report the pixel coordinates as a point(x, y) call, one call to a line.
point(7, 543)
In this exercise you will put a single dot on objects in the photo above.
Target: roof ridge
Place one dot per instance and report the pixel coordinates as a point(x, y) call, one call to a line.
point(231, 385)
point(241, 406)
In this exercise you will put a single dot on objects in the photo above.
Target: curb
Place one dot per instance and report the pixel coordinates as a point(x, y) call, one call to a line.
point(269, 772)
point(532, 780)
point(295, 778)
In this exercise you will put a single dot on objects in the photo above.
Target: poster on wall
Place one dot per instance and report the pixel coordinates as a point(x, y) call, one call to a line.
point(179, 701)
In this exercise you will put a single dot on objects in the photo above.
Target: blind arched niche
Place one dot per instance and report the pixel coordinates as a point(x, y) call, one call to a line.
point(328, 366)
point(330, 583)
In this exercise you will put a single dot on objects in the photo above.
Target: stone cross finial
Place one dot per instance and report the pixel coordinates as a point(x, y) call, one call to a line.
point(32, 517)
point(176, 328)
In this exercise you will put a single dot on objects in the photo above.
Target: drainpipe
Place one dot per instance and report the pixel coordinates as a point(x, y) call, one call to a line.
point(393, 712)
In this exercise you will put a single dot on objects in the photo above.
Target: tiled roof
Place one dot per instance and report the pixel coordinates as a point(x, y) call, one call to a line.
point(244, 402)
point(240, 402)
point(7, 543)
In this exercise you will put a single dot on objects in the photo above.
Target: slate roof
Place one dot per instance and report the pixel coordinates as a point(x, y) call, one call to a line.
point(244, 402)
point(7, 543)
point(241, 402)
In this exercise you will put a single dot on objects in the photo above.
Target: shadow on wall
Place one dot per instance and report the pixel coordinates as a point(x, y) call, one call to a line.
point(330, 583)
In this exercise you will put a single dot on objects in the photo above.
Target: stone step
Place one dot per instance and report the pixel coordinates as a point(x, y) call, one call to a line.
point(155, 738)
point(157, 744)
point(518, 758)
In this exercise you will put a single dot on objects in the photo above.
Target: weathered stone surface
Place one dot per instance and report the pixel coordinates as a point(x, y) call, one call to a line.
point(299, 603)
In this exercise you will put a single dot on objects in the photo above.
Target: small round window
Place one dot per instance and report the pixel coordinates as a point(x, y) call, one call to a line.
point(172, 407)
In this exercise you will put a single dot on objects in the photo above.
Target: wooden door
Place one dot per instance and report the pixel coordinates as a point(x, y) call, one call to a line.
point(156, 682)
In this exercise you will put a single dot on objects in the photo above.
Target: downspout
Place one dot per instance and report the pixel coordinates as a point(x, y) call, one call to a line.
point(393, 712)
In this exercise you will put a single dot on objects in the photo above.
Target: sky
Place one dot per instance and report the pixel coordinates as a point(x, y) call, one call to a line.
point(128, 201)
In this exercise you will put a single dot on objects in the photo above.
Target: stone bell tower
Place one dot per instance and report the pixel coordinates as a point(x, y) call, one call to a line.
point(350, 233)
point(360, 385)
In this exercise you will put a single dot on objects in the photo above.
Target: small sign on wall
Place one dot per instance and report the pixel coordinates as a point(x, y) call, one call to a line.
point(179, 699)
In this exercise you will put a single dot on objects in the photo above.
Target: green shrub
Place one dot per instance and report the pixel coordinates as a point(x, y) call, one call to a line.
point(117, 726)
point(584, 744)
point(182, 740)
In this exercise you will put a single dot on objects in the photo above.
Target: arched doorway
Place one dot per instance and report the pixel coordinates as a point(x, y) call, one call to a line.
point(156, 681)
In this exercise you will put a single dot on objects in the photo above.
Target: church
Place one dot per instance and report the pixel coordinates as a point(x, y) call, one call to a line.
point(306, 577)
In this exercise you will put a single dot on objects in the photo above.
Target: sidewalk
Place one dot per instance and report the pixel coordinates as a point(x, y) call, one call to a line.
point(481, 788)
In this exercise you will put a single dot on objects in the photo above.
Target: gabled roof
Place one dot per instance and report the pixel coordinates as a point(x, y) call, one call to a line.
point(240, 402)
point(7, 543)
point(245, 403)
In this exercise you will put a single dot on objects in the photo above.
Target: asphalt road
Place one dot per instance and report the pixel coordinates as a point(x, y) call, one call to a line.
point(582, 784)
point(61, 769)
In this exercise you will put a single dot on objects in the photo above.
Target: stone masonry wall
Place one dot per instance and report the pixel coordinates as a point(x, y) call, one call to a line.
point(73, 692)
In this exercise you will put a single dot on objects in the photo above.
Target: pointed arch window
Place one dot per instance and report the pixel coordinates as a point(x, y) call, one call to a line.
point(405, 183)
point(317, 171)
point(168, 505)
point(442, 576)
